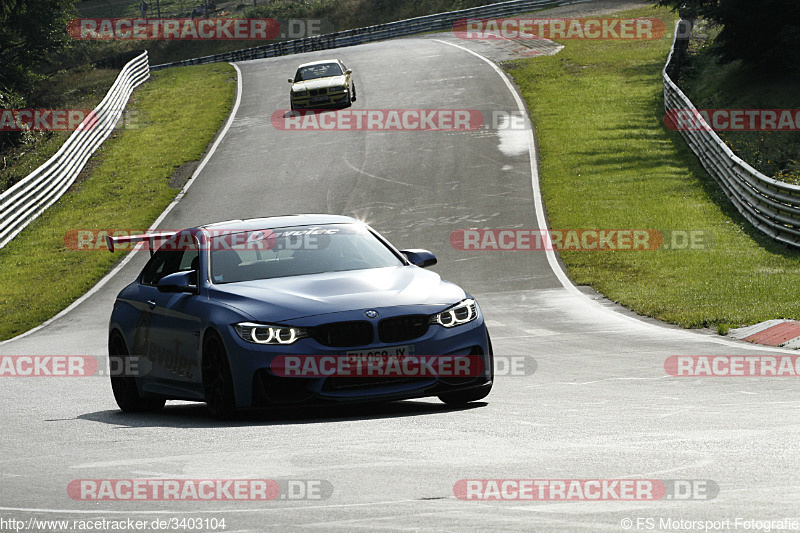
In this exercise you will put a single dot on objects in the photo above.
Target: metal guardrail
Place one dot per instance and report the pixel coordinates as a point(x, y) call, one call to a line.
point(391, 30)
point(22, 203)
point(770, 205)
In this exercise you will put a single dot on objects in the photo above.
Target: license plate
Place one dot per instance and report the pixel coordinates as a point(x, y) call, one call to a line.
point(319, 99)
point(383, 352)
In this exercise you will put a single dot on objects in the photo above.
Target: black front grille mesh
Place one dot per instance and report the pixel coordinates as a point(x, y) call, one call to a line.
point(343, 334)
point(403, 328)
point(361, 332)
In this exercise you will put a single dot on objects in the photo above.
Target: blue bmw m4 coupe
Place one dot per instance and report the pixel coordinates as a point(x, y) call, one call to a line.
point(293, 310)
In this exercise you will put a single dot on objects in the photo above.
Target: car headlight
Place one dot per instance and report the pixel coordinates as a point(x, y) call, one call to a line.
point(339, 89)
point(300, 93)
point(461, 313)
point(269, 334)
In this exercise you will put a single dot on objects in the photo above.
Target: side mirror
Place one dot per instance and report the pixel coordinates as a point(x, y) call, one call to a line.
point(421, 258)
point(179, 282)
point(348, 71)
point(291, 80)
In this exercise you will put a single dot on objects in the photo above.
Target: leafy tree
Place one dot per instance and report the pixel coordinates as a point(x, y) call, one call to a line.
point(762, 34)
point(30, 31)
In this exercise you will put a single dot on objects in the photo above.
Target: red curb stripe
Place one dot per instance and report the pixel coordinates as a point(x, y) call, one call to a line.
point(776, 335)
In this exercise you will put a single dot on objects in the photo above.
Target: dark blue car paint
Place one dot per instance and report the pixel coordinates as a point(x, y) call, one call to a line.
point(168, 332)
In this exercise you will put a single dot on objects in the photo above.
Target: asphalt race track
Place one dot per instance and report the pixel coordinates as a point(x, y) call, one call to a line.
point(599, 406)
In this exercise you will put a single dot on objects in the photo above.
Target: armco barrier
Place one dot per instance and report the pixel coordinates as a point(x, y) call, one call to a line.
point(391, 30)
point(27, 199)
point(770, 205)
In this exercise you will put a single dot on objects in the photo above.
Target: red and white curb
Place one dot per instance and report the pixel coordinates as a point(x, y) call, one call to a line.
point(779, 332)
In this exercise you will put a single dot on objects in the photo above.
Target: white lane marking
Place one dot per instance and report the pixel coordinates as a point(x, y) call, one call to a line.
point(551, 256)
point(99, 285)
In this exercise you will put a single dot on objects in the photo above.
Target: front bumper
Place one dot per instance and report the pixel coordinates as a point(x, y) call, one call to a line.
point(320, 101)
point(257, 384)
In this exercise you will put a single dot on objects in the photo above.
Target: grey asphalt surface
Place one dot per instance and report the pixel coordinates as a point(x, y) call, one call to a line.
point(600, 404)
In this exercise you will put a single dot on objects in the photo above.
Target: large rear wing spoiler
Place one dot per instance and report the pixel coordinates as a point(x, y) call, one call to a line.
point(150, 238)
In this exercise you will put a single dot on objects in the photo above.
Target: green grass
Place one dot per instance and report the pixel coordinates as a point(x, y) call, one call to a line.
point(82, 88)
point(180, 111)
point(608, 161)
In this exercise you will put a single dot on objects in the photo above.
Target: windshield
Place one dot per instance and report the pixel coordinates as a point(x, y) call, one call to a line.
point(282, 252)
point(313, 72)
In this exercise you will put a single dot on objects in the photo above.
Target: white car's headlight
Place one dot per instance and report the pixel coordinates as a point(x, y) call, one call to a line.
point(461, 313)
point(300, 93)
point(269, 334)
point(339, 89)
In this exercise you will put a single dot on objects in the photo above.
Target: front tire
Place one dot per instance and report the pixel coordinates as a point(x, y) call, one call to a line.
point(217, 379)
point(123, 384)
point(467, 396)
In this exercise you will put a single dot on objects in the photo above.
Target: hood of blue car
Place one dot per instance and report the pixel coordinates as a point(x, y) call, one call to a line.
point(282, 299)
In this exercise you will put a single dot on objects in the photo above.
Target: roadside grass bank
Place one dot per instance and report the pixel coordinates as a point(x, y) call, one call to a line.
point(82, 88)
point(609, 162)
point(178, 113)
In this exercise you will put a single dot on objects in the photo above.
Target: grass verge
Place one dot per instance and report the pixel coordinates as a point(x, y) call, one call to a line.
point(608, 161)
point(179, 112)
point(82, 88)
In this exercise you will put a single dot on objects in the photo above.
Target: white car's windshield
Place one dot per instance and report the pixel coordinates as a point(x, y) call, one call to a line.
point(312, 72)
point(282, 252)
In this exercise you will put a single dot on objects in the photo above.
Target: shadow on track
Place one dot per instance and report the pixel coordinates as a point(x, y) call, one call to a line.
point(187, 415)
